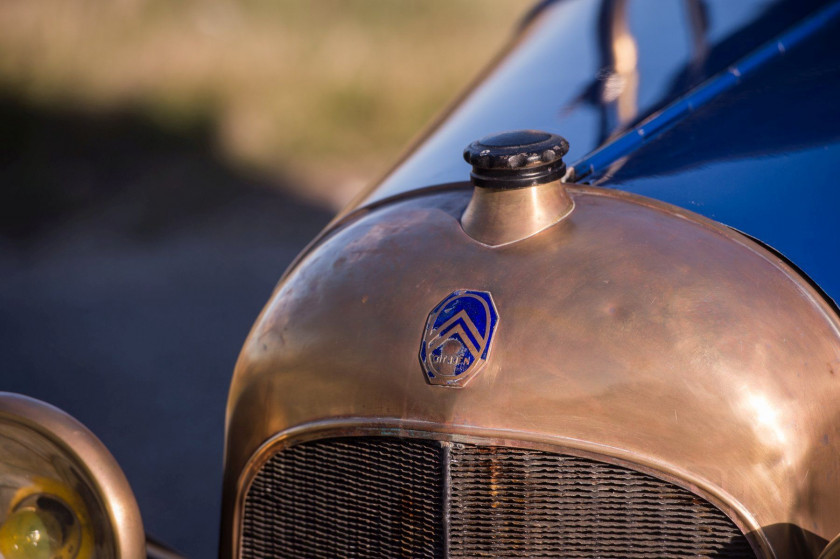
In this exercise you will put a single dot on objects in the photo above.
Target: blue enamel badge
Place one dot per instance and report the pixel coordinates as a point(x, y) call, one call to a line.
point(457, 338)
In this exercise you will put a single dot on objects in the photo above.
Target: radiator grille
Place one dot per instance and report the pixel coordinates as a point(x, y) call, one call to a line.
point(355, 498)
point(394, 498)
point(538, 504)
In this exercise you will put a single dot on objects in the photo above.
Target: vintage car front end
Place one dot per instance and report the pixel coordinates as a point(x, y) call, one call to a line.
point(541, 363)
point(621, 345)
point(640, 381)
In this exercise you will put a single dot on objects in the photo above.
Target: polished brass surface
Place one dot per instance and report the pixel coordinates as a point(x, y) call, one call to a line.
point(93, 459)
point(832, 550)
point(632, 330)
point(496, 217)
point(155, 550)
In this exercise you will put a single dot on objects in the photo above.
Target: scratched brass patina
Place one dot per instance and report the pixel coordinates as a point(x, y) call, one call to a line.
point(631, 330)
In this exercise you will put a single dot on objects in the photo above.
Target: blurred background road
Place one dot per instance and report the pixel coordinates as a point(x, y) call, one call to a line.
point(161, 163)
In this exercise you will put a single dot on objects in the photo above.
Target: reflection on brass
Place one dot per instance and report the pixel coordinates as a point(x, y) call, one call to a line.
point(832, 550)
point(496, 217)
point(155, 550)
point(631, 330)
point(90, 459)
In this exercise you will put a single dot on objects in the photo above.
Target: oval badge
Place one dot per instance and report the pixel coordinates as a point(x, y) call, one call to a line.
point(457, 338)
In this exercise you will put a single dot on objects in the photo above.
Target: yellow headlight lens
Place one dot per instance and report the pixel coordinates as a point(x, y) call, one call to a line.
point(46, 520)
point(43, 514)
point(29, 534)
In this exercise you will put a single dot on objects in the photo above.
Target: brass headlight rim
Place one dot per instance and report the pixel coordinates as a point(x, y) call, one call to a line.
point(414, 429)
point(93, 459)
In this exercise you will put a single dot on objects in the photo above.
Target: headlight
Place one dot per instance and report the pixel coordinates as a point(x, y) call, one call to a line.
point(62, 495)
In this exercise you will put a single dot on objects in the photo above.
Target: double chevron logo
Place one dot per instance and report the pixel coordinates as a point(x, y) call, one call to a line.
point(457, 338)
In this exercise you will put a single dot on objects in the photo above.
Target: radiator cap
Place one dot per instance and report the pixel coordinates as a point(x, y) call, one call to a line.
point(517, 159)
point(517, 192)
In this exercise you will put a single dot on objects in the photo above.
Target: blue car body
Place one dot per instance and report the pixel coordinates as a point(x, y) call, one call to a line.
point(732, 114)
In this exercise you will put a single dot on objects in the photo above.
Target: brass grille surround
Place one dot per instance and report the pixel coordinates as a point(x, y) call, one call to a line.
point(505, 488)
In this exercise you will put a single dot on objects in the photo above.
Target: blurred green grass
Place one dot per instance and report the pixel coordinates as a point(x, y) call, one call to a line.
point(326, 92)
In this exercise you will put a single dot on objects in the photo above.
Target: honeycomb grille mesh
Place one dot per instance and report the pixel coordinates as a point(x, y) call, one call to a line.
point(538, 504)
point(394, 498)
point(353, 498)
